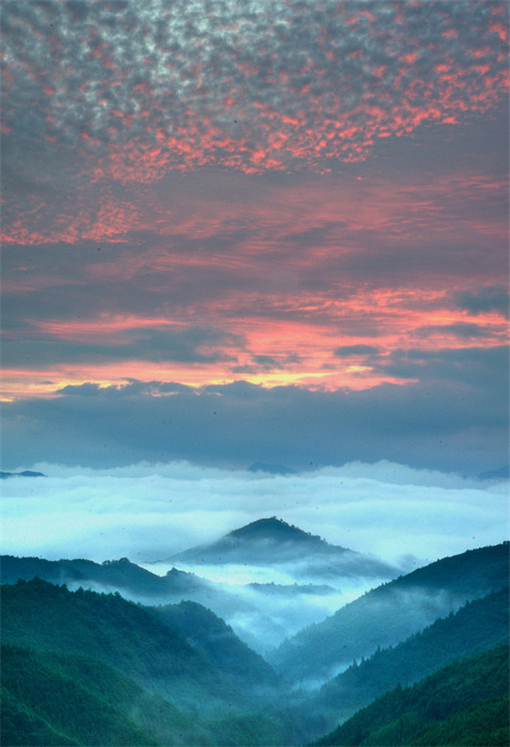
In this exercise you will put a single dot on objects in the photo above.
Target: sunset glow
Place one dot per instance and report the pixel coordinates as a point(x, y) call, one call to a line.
point(283, 195)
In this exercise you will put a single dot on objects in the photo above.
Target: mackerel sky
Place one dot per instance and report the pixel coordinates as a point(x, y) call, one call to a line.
point(255, 230)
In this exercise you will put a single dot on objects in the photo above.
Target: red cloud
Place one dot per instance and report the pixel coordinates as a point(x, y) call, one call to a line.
point(246, 95)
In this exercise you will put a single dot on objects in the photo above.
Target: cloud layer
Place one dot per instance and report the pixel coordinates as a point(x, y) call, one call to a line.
point(451, 421)
point(259, 231)
point(265, 281)
point(148, 512)
point(262, 85)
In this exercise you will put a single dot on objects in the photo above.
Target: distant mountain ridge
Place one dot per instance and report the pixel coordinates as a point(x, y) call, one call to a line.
point(255, 539)
point(503, 473)
point(132, 581)
point(271, 541)
point(320, 577)
point(116, 574)
point(279, 531)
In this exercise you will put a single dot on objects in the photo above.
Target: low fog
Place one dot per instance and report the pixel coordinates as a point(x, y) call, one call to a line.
point(149, 512)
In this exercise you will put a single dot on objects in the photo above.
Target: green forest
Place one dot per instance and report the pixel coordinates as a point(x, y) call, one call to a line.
point(94, 669)
point(465, 703)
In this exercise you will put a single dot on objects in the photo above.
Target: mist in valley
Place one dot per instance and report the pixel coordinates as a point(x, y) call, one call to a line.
point(390, 518)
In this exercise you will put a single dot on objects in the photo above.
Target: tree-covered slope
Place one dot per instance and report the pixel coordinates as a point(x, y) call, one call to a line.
point(106, 631)
point(465, 703)
point(104, 626)
point(120, 633)
point(477, 626)
point(217, 642)
point(51, 698)
point(391, 612)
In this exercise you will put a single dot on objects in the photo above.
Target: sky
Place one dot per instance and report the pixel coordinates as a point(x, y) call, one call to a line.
point(269, 230)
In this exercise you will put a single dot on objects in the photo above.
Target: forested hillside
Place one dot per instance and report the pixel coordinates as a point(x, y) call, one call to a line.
point(465, 703)
point(476, 627)
point(390, 613)
point(217, 642)
point(138, 643)
point(54, 698)
point(93, 669)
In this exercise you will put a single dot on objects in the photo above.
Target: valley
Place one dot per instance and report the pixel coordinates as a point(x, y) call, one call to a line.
point(348, 650)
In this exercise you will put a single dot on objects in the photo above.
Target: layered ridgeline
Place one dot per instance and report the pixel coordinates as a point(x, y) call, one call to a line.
point(214, 687)
point(178, 674)
point(465, 703)
point(316, 576)
point(129, 579)
point(390, 613)
point(478, 626)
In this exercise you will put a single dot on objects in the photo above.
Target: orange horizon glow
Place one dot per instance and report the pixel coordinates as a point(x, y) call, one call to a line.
point(293, 353)
point(37, 384)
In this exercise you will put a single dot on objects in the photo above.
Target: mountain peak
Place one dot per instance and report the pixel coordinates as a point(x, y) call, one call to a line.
point(274, 529)
point(262, 542)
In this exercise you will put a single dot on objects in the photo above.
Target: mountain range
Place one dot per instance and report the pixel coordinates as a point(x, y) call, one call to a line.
point(25, 473)
point(391, 612)
point(87, 668)
point(477, 626)
point(321, 578)
point(218, 678)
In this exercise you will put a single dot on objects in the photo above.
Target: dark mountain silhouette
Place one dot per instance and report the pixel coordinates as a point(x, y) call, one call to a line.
point(390, 613)
point(25, 473)
point(270, 542)
point(263, 542)
point(465, 703)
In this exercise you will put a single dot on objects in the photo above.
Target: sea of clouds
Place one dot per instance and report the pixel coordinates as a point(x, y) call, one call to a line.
point(148, 512)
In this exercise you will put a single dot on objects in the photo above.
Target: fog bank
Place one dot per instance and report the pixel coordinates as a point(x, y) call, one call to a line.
point(148, 512)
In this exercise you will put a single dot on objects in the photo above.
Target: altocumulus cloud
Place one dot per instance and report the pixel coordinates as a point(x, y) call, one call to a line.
point(150, 511)
point(254, 85)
